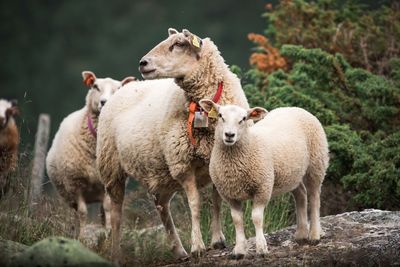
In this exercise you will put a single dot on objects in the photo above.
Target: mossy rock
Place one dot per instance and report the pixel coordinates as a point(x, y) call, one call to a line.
point(56, 252)
point(8, 249)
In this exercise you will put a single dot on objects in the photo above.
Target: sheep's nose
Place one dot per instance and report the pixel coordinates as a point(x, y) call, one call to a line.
point(143, 62)
point(103, 102)
point(229, 134)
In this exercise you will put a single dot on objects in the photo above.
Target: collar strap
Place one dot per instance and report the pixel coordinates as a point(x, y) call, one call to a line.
point(193, 107)
point(92, 130)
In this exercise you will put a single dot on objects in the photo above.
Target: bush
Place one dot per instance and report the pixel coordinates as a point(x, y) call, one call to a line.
point(360, 112)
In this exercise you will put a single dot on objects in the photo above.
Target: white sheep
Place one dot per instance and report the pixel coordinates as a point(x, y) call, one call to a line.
point(143, 133)
point(287, 151)
point(9, 141)
point(70, 162)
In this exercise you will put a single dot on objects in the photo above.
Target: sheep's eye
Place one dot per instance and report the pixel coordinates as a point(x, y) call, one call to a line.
point(179, 44)
point(96, 87)
point(243, 120)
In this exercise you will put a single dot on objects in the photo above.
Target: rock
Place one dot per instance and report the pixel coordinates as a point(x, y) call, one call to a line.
point(367, 238)
point(8, 249)
point(58, 251)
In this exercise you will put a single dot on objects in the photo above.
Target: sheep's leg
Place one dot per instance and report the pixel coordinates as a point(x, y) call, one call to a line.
point(116, 192)
point(314, 191)
point(218, 238)
point(257, 215)
point(193, 196)
point(300, 197)
point(106, 212)
point(162, 202)
point(82, 214)
point(237, 216)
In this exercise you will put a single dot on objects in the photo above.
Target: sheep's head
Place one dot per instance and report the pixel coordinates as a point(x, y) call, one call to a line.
point(101, 89)
point(174, 57)
point(7, 109)
point(232, 120)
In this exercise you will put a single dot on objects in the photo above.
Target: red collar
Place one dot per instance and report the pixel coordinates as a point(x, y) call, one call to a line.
point(193, 108)
point(92, 130)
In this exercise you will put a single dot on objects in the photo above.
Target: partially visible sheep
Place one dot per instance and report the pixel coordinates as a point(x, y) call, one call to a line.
point(71, 161)
point(287, 151)
point(143, 133)
point(9, 141)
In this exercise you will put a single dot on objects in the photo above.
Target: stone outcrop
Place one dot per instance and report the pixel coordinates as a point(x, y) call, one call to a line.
point(367, 238)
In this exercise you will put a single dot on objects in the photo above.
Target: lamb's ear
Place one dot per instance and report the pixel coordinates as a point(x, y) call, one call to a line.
point(88, 78)
point(128, 80)
point(172, 31)
point(208, 105)
point(256, 113)
point(194, 40)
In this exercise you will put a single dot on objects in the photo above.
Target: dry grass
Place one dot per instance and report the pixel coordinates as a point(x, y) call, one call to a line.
point(143, 240)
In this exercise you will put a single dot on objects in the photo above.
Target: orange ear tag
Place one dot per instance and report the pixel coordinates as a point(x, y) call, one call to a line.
point(89, 81)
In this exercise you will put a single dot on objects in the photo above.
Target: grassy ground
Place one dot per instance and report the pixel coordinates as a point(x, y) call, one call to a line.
point(141, 247)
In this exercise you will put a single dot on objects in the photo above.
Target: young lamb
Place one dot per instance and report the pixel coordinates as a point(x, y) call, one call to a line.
point(144, 132)
point(71, 161)
point(287, 151)
point(9, 141)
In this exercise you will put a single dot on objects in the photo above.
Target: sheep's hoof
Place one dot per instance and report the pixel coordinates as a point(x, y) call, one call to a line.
point(236, 256)
point(197, 253)
point(219, 245)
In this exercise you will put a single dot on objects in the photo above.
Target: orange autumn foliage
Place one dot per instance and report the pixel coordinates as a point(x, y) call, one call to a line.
point(267, 59)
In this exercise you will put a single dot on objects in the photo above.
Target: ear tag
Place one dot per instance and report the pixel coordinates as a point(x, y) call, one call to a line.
point(195, 42)
point(200, 120)
point(213, 113)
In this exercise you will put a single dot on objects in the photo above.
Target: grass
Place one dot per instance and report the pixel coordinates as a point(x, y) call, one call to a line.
point(140, 247)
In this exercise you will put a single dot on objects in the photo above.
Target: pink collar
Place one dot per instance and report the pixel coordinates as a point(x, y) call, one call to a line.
point(92, 130)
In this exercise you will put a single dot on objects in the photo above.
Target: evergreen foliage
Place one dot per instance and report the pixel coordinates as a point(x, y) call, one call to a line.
point(359, 110)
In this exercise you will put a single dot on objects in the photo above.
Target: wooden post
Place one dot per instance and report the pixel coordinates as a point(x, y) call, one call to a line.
point(39, 160)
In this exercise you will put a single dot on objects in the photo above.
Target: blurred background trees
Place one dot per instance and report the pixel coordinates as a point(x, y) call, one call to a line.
point(45, 45)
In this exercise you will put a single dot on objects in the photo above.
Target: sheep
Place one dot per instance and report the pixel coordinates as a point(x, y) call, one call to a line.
point(144, 133)
point(287, 151)
point(70, 161)
point(9, 141)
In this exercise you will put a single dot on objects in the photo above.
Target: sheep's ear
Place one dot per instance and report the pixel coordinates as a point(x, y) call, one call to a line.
point(208, 105)
point(14, 102)
point(172, 31)
point(256, 113)
point(128, 80)
point(13, 111)
point(88, 78)
point(194, 40)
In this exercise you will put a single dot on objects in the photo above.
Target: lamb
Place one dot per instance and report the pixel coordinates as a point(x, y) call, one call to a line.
point(9, 141)
point(287, 151)
point(144, 132)
point(70, 162)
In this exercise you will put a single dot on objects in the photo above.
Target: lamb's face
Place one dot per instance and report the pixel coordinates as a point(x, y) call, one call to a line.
point(174, 57)
point(232, 120)
point(7, 109)
point(231, 123)
point(101, 89)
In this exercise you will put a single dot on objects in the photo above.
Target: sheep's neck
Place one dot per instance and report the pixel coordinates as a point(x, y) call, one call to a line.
point(94, 120)
point(204, 81)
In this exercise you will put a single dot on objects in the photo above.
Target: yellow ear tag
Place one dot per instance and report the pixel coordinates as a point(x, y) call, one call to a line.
point(213, 113)
point(195, 42)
